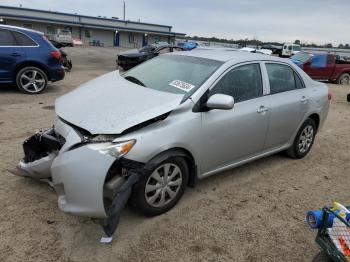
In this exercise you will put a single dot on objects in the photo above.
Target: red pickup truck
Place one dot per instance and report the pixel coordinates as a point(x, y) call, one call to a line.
point(324, 66)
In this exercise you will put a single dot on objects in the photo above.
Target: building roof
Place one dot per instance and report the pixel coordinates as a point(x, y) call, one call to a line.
point(36, 15)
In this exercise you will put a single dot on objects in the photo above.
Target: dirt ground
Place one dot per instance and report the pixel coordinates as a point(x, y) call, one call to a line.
point(252, 213)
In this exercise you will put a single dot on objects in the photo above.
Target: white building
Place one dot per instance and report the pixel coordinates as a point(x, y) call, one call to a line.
point(109, 31)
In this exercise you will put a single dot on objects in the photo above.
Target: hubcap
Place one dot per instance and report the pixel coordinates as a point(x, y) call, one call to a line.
point(305, 140)
point(32, 81)
point(345, 80)
point(163, 185)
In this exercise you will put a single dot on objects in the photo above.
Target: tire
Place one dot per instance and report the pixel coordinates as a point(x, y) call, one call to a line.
point(304, 140)
point(150, 203)
point(31, 80)
point(344, 79)
point(322, 257)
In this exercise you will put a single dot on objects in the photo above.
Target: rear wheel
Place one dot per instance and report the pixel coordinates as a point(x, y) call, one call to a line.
point(31, 80)
point(303, 140)
point(344, 79)
point(159, 191)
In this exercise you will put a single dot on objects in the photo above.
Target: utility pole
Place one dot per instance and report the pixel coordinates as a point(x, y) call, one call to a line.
point(124, 11)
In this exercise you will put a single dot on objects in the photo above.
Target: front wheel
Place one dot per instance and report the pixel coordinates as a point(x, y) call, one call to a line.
point(344, 79)
point(159, 191)
point(303, 140)
point(31, 80)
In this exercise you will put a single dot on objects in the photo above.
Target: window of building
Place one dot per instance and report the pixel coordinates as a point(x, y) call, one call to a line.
point(23, 40)
point(282, 78)
point(242, 83)
point(50, 30)
point(87, 33)
point(6, 38)
point(131, 38)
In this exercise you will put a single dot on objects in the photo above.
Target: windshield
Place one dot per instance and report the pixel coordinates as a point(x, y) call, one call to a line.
point(296, 48)
point(147, 49)
point(302, 57)
point(173, 73)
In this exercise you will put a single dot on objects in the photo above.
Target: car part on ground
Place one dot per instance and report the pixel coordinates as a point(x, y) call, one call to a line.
point(128, 59)
point(324, 66)
point(146, 136)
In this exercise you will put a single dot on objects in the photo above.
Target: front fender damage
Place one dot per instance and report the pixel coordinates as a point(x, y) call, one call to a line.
point(135, 172)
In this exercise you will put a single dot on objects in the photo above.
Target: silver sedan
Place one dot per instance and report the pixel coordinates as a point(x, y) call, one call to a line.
point(152, 131)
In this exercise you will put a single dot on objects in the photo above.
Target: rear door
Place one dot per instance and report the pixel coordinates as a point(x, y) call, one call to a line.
point(10, 55)
point(288, 101)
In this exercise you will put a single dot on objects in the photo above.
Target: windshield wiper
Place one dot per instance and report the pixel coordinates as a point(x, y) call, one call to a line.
point(135, 80)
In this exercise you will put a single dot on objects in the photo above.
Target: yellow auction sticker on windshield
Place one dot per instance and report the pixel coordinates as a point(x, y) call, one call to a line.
point(182, 85)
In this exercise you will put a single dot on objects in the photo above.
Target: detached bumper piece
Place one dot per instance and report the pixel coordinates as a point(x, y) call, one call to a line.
point(135, 172)
point(39, 152)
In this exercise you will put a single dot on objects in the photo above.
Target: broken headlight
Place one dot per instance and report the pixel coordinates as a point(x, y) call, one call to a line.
point(114, 149)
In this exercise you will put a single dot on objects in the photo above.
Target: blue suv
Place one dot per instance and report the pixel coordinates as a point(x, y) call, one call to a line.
point(28, 59)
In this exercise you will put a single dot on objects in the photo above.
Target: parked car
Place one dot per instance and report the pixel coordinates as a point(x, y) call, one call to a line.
point(134, 57)
point(157, 128)
point(255, 50)
point(276, 50)
point(290, 49)
point(28, 59)
point(188, 45)
point(324, 66)
point(62, 36)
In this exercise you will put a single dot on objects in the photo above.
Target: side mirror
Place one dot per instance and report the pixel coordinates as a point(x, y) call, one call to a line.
point(220, 101)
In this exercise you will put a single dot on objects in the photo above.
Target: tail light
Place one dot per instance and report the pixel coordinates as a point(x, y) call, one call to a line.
point(330, 94)
point(56, 54)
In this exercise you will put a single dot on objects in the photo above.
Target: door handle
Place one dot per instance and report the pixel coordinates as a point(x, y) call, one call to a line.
point(262, 109)
point(304, 99)
point(15, 54)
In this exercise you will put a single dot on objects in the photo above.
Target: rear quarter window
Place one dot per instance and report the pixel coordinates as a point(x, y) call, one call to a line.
point(23, 40)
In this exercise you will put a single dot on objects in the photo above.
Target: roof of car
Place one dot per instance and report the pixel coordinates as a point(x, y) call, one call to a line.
point(19, 28)
point(230, 55)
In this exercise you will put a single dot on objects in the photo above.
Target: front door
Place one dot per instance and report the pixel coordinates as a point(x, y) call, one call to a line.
point(10, 54)
point(237, 134)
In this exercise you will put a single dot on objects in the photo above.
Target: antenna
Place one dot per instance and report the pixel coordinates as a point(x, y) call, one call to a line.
point(124, 10)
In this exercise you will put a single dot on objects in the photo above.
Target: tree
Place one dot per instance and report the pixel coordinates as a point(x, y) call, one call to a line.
point(297, 42)
point(329, 45)
point(347, 46)
point(340, 46)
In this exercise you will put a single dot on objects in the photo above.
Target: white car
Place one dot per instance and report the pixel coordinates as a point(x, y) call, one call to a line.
point(290, 49)
point(254, 50)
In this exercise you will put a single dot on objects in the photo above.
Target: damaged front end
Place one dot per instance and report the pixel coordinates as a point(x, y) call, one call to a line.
point(39, 152)
point(88, 180)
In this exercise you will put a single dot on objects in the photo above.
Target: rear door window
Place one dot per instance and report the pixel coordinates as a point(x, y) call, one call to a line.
point(242, 83)
point(282, 78)
point(6, 38)
point(23, 40)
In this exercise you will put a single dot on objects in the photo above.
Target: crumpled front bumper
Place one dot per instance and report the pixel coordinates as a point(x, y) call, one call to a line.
point(78, 174)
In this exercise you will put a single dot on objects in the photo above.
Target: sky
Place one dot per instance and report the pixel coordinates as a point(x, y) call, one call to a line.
point(317, 21)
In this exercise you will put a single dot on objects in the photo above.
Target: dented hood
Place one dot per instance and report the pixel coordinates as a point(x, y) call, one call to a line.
point(110, 104)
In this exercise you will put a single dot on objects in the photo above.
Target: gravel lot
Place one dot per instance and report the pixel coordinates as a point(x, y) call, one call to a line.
point(252, 213)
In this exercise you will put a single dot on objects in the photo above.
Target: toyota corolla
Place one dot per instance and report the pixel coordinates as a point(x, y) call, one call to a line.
point(152, 131)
